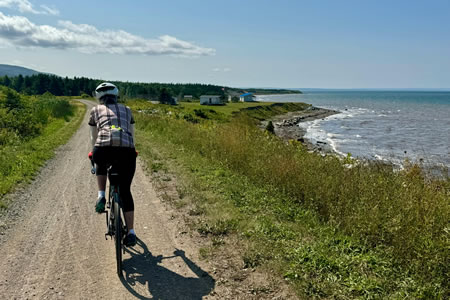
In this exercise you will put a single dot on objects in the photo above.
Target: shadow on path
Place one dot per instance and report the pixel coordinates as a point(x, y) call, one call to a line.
point(144, 268)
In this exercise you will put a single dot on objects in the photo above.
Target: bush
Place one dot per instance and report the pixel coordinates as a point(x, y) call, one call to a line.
point(270, 128)
point(25, 116)
point(30, 128)
point(200, 113)
point(235, 99)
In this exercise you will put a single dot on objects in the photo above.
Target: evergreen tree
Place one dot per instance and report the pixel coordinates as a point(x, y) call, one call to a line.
point(41, 83)
point(55, 86)
point(27, 83)
point(18, 83)
point(165, 97)
point(6, 81)
point(12, 100)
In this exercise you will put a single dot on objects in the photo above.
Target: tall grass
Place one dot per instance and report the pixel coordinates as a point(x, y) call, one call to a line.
point(404, 212)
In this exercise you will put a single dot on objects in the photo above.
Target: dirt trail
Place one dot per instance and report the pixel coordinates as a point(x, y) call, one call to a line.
point(56, 248)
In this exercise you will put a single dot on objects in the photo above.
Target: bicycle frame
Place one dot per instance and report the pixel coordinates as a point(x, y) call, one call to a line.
point(113, 196)
point(116, 227)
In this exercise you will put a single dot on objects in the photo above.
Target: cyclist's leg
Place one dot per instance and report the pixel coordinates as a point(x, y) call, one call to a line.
point(128, 168)
point(101, 156)
point(101, 182)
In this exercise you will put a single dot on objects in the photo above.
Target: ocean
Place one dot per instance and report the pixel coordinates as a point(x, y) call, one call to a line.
point(392, 126)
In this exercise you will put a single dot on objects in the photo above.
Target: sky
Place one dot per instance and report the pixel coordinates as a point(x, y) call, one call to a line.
point(246, 43)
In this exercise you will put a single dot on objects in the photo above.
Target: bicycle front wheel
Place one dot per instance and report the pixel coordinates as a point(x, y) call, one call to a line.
point(118, 235)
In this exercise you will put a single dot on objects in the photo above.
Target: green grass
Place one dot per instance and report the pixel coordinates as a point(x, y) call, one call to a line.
point(333, 228)
point(195, 113)
point(227, 109)
point(20, 161)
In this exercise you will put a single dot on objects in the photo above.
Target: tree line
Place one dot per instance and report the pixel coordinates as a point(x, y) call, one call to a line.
point(77, 86)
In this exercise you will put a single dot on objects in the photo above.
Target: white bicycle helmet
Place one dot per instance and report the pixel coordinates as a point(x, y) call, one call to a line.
point(106, 89)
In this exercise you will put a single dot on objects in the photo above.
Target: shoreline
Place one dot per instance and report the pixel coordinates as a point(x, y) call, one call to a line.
point(286, 127)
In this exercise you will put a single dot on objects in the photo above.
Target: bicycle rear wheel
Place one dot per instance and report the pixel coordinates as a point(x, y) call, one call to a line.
point(118, 235)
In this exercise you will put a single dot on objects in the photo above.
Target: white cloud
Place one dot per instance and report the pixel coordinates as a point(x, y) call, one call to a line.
point(21, 32)
point(24, 6)
point(221, 70)
point(50, 10)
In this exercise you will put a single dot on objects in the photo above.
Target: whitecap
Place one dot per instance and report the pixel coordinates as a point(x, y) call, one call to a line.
point(333, 146)
point(378, 157)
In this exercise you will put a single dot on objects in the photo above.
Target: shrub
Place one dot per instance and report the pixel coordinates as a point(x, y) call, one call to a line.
point(200, 113)
point(25, 116)
point(270, 128)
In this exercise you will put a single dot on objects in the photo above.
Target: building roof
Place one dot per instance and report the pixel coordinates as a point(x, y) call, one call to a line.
point(246, 94)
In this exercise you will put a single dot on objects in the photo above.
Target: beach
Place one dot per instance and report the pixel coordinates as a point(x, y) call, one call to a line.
point(387, 126)
point(287, 127)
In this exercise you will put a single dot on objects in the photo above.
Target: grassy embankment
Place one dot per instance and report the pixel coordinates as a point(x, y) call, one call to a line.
point(31, 127)
point(332, 228)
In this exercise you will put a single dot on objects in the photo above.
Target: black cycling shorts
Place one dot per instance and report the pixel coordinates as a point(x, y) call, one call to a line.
point(124, 160)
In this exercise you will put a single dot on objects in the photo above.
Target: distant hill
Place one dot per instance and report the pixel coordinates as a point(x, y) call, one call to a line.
point(261, 91)
point(12, 71)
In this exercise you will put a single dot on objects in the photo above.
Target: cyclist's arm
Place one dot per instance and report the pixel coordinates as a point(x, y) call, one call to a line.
point(93, 134)
point(132, 122)
point(93, 126)
point(132, 130)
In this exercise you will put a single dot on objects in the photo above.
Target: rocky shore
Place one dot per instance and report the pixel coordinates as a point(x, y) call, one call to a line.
point(286, 126)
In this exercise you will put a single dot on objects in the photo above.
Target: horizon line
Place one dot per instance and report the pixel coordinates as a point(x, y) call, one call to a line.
point(353, 89)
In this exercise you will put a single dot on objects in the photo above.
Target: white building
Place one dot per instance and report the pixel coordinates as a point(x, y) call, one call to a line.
point(210, 100)
point(248, 97)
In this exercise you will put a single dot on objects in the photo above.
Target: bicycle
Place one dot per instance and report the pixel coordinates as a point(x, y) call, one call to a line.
point(116, 227)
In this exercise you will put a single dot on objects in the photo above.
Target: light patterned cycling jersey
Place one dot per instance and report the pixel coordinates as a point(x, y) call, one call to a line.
point(113, 125)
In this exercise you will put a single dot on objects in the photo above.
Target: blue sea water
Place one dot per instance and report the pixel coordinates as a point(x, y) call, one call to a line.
point(382, 125)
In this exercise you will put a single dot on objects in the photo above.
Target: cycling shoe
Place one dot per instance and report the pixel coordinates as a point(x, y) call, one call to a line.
point(129, 240)
point(100, 205)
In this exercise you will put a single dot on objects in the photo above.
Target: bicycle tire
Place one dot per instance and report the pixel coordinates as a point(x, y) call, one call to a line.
point(118, 235)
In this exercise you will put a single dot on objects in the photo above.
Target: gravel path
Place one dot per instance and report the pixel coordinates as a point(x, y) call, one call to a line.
point(52, 243)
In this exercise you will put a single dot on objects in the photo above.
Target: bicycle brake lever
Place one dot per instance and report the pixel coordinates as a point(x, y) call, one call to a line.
point(93, 170)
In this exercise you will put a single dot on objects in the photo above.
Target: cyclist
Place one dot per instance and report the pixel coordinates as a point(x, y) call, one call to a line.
point(112, 139)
